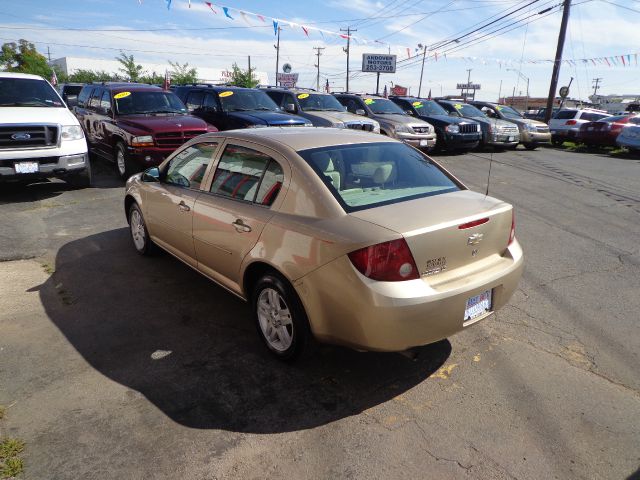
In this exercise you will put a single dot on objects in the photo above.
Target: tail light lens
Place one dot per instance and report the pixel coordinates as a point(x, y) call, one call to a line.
point(512, 234)
point(387, 262)
point(571, 122)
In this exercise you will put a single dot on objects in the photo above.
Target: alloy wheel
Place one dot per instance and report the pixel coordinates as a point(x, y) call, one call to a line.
point(275, 320)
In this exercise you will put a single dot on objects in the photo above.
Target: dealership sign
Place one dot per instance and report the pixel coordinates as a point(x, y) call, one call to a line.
point(374, 62)
point(468, 86)
point(287, 79)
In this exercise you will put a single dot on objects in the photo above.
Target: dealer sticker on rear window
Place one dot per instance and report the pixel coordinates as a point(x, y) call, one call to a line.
point(120, 95)
point(369, 101)
point(303, 95)
point(417, 104)
point(228, 93)
point(457, 106)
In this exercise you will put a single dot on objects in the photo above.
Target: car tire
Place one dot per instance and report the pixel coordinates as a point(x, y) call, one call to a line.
point(556, 142)
point(123, 162)
point(530, 146)
point(82, 179)
point(280, 318)
point(139, 233)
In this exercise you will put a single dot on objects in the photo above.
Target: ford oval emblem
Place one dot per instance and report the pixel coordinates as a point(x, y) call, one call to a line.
point(20, 136)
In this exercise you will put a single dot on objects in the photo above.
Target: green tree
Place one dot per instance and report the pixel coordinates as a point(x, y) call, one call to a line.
point(130, 68)
point(152, 78)
point(181, 74)
point(88, 76)
point(243, 78)
point(24, 58)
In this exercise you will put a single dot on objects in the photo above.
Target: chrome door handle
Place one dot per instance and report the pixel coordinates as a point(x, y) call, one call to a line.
point(240, 226)
point(184, 207)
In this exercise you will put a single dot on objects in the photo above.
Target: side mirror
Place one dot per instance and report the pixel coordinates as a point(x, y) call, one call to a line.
point(345, 108)
point(360, 111)
point(151, 174)
point(290, 107)
point(409, 112)
point(71, 100)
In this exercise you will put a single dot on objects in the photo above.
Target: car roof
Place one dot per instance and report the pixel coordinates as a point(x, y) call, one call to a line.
point(302, 138)
point(121, 86)
point(20, 75)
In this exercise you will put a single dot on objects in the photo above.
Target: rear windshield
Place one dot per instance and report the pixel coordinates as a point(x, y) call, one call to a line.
point(382, 106)
point(368, 175)
point(317, 102)
point(27, 92)
point(239, 100)
point(565, 114)
point(592, 117)
point(147, 102)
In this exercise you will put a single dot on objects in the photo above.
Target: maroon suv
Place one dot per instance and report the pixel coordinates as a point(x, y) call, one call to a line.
point(134, 125)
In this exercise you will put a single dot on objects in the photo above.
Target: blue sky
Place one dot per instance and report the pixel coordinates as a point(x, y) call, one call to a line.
point(196, 35)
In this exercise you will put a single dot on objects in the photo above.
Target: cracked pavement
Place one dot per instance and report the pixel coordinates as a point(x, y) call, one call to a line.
point(115, 366)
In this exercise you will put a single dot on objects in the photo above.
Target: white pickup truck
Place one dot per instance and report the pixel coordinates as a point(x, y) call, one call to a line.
point(39, 136)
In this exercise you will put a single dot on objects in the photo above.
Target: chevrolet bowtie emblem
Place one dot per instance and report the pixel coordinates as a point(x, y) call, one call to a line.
point(475, 239)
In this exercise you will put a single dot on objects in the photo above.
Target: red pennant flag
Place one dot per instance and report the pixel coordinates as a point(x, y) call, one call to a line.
point(344, 36)
point(607, 60)
point(208, 4)
point(261, 17)
point(623, 62)
point(306, 32)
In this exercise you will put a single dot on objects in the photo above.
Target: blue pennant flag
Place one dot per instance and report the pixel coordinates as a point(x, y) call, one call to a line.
point(275, 27)
point(226, 12)
point(168, 4)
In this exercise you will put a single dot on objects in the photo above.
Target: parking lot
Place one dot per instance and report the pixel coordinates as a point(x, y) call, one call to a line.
point(117, 366)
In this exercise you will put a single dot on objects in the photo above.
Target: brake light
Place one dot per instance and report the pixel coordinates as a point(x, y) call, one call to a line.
point(571, 122)
point(388, 262)
point(475, 223)
point(512, 234)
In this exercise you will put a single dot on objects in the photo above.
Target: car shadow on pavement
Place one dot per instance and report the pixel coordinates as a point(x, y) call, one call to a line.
point(156, 326)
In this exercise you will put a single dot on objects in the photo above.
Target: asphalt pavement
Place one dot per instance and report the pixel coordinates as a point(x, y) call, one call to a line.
point(116, 366)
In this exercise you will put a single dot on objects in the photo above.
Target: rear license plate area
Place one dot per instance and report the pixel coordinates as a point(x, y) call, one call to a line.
point(477, 306)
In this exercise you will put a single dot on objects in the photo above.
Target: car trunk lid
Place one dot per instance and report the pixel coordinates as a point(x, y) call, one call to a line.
point(449, 231)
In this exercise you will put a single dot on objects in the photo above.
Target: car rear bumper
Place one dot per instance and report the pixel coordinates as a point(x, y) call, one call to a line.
point(344, 307)
point(48, 167)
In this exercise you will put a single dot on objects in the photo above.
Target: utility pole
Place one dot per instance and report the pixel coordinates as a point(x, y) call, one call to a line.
point(558, 60)
point(469, 83)
point(277, 47)
point(500, 92)
point(596, 86)
point(424, 54)
point(48, 53)
point(250, 76)
point(318, 53)
point(346, 50)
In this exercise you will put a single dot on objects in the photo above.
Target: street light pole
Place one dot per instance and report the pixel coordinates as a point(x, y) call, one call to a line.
point(424, 54)
point(277, 55)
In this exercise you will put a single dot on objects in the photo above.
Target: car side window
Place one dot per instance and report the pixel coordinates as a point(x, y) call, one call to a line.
point(277, 97)
point(95, 98)
point(194, 101)
point(188, 167)
point(210, 103)
point(105, 103)
point(84, 96)
point(247, 174)
point(352, 105)
point(635, 120)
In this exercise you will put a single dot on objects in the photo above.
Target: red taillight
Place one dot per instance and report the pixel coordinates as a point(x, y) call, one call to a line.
point(388, 262)
point(475, 223)
point(571, 122)
point(512, 234)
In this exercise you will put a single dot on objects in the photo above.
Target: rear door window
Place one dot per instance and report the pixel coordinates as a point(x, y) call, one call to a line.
point(94, 102)
point(84, 96)
point(592, 117)
point(248, 175)
point(210, 103)
point(194, 100)
point(105, 102)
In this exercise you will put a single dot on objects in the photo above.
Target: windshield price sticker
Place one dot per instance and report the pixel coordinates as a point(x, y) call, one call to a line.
point(369, 101)
point(417, 104)
point(228, 93)
point(303, 95)
point(120, 95)
point(457, 106)
point(499, 107)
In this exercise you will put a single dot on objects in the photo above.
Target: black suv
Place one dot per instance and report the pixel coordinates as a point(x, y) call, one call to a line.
point(453, 133)
point(234, 107)
point(69, 93)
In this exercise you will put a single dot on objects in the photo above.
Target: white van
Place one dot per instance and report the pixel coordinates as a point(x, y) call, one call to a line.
point(39, 136)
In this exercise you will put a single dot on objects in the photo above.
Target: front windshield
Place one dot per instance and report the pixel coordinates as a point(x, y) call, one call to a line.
point(239, 100)
point(428, 107)
point(382, 105)
point(147, 102)
point(368, 175)
point(27, 92)
point(315, 101)
point(466, 110)
point(508, 112)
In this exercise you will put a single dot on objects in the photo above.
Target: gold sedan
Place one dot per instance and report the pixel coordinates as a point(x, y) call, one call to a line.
point(342, 236)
